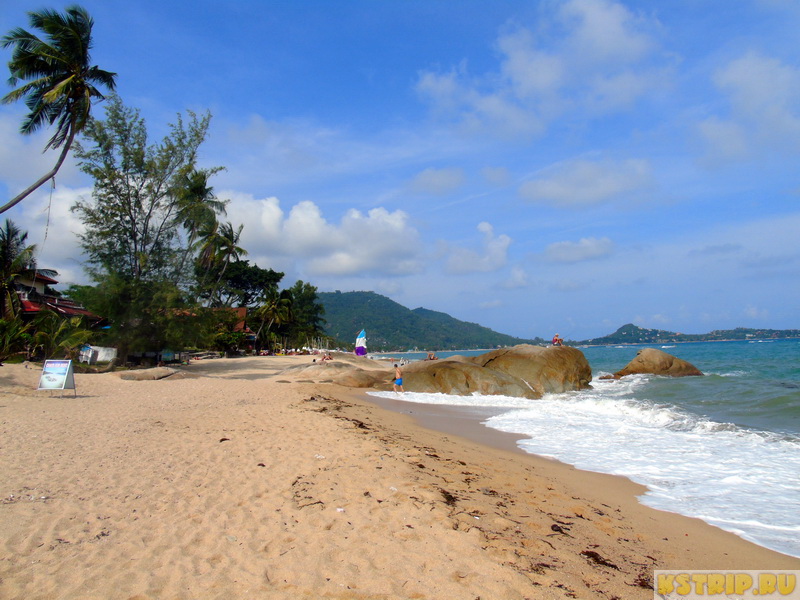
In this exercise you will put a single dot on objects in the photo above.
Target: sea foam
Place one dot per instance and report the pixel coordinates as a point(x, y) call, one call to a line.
point(741, 480)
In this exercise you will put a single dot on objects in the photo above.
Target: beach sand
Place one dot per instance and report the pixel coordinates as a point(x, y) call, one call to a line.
point(231, 481)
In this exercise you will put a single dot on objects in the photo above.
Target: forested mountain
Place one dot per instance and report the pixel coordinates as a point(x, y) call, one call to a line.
point(391, 326)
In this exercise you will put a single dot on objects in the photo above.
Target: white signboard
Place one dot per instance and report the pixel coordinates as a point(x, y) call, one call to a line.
point(57, 375)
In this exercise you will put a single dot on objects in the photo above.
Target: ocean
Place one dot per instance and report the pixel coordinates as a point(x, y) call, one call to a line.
point(724, 448)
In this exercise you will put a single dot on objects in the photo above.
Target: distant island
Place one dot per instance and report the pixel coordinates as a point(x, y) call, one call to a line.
point(632, 334)
point(392, 327)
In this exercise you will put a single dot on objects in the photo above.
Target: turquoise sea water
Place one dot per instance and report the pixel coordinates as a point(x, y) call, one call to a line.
point(724, 447)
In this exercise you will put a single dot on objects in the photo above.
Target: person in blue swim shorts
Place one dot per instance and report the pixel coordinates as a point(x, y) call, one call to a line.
point(398, 379)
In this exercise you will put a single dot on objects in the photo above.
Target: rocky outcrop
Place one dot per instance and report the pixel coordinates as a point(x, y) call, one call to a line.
point(657, 362)
point(549, 370)
point(522, 371)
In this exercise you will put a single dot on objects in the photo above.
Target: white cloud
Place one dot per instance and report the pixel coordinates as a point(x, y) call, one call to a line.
point(496, 175)
point(601, 58)
point(492, 255)
point(376, 242)
point(753, 312)
point(585, 249)
point(568, 286)
point(584, 182)
point(726, 139)
point(22, 160)
point(517, 279)
point(764, 97)
point(605, 32)
point(438, 182)
point(489, 304)
point(55, 234)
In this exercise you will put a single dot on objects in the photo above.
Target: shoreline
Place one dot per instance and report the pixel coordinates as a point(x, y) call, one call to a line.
point(468, 425)
point(233, 479)
point(604, 487)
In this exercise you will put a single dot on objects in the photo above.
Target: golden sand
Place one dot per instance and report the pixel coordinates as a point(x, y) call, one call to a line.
point(230, 481)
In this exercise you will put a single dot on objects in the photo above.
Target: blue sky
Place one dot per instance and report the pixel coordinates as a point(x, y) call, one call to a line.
point(534, 166)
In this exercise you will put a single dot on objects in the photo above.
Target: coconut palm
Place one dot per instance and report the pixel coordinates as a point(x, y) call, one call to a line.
point(276, 310)
point(60, 83)
point(220, 247)
point(17, 259)
point(198, 207)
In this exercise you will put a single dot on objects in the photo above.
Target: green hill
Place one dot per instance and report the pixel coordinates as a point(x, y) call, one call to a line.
point(391, 326)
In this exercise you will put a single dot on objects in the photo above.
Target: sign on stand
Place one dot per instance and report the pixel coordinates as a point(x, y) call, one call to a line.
point(57, 375)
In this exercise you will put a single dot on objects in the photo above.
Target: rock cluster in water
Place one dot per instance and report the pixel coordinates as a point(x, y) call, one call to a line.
point(657, 362)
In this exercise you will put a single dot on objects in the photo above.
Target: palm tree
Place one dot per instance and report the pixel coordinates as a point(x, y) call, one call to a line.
point(220, 248)
point(13, 337)
point(276, 310)
point(198, 207)
point(57, 335)
point(16, 260)
point(60, 83)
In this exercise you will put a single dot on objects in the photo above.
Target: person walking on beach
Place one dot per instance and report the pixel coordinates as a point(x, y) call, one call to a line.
point(398, 379)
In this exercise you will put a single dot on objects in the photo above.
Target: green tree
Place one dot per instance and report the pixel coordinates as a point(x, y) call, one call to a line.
point(220, 247)
point(60, 84)
point(55, 335)
point(198, 207)
point(14, 337)
point(17, 259)
point(244, 284)
point(275, 311)
point(308, 314)
point(134, 217)
point(146, 316)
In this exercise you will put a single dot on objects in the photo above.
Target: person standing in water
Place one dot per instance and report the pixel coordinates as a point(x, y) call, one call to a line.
point(398, 378)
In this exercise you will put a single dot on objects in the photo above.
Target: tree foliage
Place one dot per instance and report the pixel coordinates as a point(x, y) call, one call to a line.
point(243, 284)
point(14, 337)
point(138, 211)
point(17, 260)
point(56, 336)
point(60, 83)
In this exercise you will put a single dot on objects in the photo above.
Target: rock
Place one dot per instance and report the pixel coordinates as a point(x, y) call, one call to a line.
point(548, 370)
point(147, 374)
point(524, 371)
point(462, 378)
point(657, 362)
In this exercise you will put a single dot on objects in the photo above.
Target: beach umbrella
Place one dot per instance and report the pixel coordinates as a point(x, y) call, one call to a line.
point(361, 344)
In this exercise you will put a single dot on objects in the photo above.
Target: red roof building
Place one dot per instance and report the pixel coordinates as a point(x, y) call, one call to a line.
point(34, 296)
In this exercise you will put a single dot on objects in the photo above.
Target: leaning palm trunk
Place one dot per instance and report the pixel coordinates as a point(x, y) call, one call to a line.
point(50, 174)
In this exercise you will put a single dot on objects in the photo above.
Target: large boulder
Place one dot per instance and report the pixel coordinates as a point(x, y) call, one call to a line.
point(658, 362)
point(462, 378)
point(524, 371)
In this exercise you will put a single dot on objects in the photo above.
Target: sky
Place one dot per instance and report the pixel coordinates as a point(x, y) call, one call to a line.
point(533, 166)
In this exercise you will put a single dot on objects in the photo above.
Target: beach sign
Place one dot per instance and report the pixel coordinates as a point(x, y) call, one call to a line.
point(57, 375)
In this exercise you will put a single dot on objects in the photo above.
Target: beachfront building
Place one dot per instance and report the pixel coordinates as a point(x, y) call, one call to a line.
point(35, 294)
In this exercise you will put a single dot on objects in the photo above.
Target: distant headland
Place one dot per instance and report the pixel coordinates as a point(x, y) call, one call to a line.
point(392, 327)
